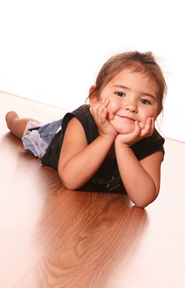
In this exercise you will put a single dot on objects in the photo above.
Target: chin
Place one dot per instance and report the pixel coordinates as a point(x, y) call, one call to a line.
point(125, 130)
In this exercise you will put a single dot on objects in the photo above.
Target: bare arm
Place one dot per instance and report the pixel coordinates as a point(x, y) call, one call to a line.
point(140, 178)
point(78, 161)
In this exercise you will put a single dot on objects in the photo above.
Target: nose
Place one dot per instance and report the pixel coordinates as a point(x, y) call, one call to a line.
point(131, 106)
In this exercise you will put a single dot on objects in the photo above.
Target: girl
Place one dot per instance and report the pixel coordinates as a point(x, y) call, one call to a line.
point(111, 144)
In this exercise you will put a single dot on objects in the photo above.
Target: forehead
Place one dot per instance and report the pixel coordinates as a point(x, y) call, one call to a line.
point(141, 81)
point(129, 75)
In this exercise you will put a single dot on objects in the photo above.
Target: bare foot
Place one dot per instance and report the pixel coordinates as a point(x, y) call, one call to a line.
point(10, 116)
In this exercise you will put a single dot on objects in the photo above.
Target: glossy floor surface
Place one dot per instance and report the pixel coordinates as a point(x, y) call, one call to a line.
point(54, 237)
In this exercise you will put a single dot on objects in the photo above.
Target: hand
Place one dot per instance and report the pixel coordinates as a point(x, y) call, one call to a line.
point(100, 114)
point(138, 133)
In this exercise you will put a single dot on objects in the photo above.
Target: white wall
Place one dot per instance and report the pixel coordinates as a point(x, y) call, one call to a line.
point(50, 51)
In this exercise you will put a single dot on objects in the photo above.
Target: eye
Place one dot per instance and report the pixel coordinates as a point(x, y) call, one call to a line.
point(145, 102)
point(120, 94)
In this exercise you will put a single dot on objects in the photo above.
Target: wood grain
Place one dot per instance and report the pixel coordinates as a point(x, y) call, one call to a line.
point(54, 237)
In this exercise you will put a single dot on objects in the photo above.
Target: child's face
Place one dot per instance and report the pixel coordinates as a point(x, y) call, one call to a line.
point(133, 96)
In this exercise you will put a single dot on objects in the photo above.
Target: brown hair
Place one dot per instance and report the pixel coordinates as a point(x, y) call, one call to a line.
point(137, 62)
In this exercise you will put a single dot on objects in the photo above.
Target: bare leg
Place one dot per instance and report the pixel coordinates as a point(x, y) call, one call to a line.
point(17, 125)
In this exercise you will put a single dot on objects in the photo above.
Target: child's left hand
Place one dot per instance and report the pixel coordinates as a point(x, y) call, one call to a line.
point(138, 133)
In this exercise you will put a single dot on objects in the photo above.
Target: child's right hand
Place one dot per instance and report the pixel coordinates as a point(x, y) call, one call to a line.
point(100, 114)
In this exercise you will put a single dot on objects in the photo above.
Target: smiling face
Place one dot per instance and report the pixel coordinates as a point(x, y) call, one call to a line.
point(133, 96)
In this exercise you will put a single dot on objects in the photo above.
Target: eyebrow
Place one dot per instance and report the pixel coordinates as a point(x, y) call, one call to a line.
point(124, 87)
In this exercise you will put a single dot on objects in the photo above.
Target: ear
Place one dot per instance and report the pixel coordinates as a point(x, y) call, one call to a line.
point(93, 98)
point(160, 110)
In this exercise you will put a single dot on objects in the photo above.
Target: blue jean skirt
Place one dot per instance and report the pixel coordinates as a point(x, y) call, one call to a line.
point(36, 139)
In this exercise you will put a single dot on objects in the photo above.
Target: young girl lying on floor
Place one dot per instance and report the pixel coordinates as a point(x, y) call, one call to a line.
point(110, 144)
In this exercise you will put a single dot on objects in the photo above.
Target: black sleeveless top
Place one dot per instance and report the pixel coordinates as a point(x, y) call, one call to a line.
point(107, 178)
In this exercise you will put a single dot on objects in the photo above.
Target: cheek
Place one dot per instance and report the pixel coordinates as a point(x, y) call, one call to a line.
point(113, 106)
point(111, 109)
point(145, 115)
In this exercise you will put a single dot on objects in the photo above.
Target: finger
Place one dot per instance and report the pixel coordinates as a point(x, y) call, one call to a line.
point(152, 126)
point(99, 112)
point(99, 107)
point(111, 116)
point(104, 103)
point(94, 108)
point(137, 129)
point(103, 115)
point(149, 128)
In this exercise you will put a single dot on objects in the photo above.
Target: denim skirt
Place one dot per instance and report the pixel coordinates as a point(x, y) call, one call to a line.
point(36, 139)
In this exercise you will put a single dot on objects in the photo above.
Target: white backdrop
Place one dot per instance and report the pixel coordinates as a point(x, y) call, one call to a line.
point(51, 50)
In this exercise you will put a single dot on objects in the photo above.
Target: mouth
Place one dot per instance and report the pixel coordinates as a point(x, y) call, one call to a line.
point(125, 118)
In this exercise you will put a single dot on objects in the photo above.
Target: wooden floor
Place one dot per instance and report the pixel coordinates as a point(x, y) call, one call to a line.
point(54, 237)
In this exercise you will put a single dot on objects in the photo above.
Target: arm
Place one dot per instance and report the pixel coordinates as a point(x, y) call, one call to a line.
point(79, 161)
point(141, 179)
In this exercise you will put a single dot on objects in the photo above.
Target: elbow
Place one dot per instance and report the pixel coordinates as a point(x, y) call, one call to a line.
point(67, 177)
point(69, 185)
point(146, 199)
point(68, 182)
point(143, 203)
point(139, 203)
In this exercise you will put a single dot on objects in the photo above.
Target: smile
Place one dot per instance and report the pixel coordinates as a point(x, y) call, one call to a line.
point(125, 118)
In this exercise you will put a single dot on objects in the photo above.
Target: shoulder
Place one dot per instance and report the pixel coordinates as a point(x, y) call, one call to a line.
point(81, 113)
point(75, 132)
point(84, 117)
